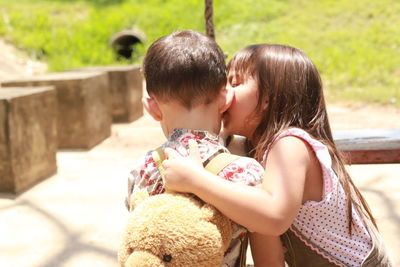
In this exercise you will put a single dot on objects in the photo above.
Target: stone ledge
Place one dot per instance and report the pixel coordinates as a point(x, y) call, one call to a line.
point(83, 98)
point(28, 137)
point(126, 87)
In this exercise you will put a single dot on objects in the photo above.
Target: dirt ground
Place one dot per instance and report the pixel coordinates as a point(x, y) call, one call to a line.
point(14, 63)
point(75, 217)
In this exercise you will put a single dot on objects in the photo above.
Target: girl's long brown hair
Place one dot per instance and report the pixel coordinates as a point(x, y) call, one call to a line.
point(290, 85)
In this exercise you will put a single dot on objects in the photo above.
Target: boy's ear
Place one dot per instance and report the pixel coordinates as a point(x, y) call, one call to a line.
point(225, 99)
point(151, 106)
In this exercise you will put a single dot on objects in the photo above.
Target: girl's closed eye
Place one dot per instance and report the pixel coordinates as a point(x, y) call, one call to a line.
point(234, 80)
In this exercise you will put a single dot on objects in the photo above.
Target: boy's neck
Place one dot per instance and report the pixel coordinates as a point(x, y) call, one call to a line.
point(201, 117)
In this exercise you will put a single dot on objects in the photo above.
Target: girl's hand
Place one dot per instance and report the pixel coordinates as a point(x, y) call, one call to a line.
point(180, 173)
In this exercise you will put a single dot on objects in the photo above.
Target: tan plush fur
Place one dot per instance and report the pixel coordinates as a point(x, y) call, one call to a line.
point(174, 229)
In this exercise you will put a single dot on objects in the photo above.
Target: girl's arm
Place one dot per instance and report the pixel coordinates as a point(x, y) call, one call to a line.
point(268, 211)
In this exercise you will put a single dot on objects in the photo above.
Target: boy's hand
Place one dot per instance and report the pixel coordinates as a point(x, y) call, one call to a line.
point(179, 171)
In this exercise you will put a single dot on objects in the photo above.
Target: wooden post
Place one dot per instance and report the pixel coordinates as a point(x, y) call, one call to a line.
point(208, 15)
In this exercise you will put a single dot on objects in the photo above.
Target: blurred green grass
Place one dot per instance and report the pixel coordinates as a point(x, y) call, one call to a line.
point(355, 44)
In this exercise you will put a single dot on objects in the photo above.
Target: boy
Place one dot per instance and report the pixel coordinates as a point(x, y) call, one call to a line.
point(185, 76)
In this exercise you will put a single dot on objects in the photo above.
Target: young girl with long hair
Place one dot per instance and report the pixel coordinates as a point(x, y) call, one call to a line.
point(307, 197)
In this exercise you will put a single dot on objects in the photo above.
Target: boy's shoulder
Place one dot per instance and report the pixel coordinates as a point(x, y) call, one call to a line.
point(144, 173)
point(244, 170)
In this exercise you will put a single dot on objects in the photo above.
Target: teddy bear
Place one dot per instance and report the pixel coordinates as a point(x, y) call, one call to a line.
point(173, 229)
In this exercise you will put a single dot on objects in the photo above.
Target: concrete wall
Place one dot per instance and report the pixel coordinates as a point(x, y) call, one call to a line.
point(84, 106)
point(28, 137)
point(126, 86)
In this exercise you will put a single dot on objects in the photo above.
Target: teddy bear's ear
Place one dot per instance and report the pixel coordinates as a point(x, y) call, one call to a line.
point(137, 197)
point(223, 223)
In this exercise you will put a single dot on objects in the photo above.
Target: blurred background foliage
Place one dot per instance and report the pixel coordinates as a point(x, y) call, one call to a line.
point(355, 44)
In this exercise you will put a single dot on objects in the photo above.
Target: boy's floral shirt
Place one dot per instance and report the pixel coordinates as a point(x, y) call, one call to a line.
point(244, 170)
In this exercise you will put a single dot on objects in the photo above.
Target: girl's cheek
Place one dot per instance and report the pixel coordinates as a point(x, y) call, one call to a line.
point(256, 120)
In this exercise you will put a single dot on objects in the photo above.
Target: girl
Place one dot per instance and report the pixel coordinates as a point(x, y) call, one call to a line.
point(308, 198)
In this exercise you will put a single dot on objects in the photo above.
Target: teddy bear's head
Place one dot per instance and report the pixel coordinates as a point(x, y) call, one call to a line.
point(174, 229)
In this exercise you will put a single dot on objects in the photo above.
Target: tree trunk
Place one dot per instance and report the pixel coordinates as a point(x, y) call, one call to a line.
point(208, 14)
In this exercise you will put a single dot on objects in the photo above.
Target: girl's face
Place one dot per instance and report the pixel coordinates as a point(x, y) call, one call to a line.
point(240, 117)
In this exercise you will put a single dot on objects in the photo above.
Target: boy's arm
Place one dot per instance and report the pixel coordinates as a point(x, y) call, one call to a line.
point(144, 174)
point(135, 181)
point(267, 251)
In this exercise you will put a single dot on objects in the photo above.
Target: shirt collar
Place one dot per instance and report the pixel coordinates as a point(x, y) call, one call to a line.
point(180, 133)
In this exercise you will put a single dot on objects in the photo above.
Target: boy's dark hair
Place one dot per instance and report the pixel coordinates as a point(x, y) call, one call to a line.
point(186, 66)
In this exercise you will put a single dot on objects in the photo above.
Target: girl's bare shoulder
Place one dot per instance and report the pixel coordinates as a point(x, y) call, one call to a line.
point(291, 149)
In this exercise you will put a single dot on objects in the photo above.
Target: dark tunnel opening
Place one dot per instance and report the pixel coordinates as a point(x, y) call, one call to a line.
point(125, 42)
